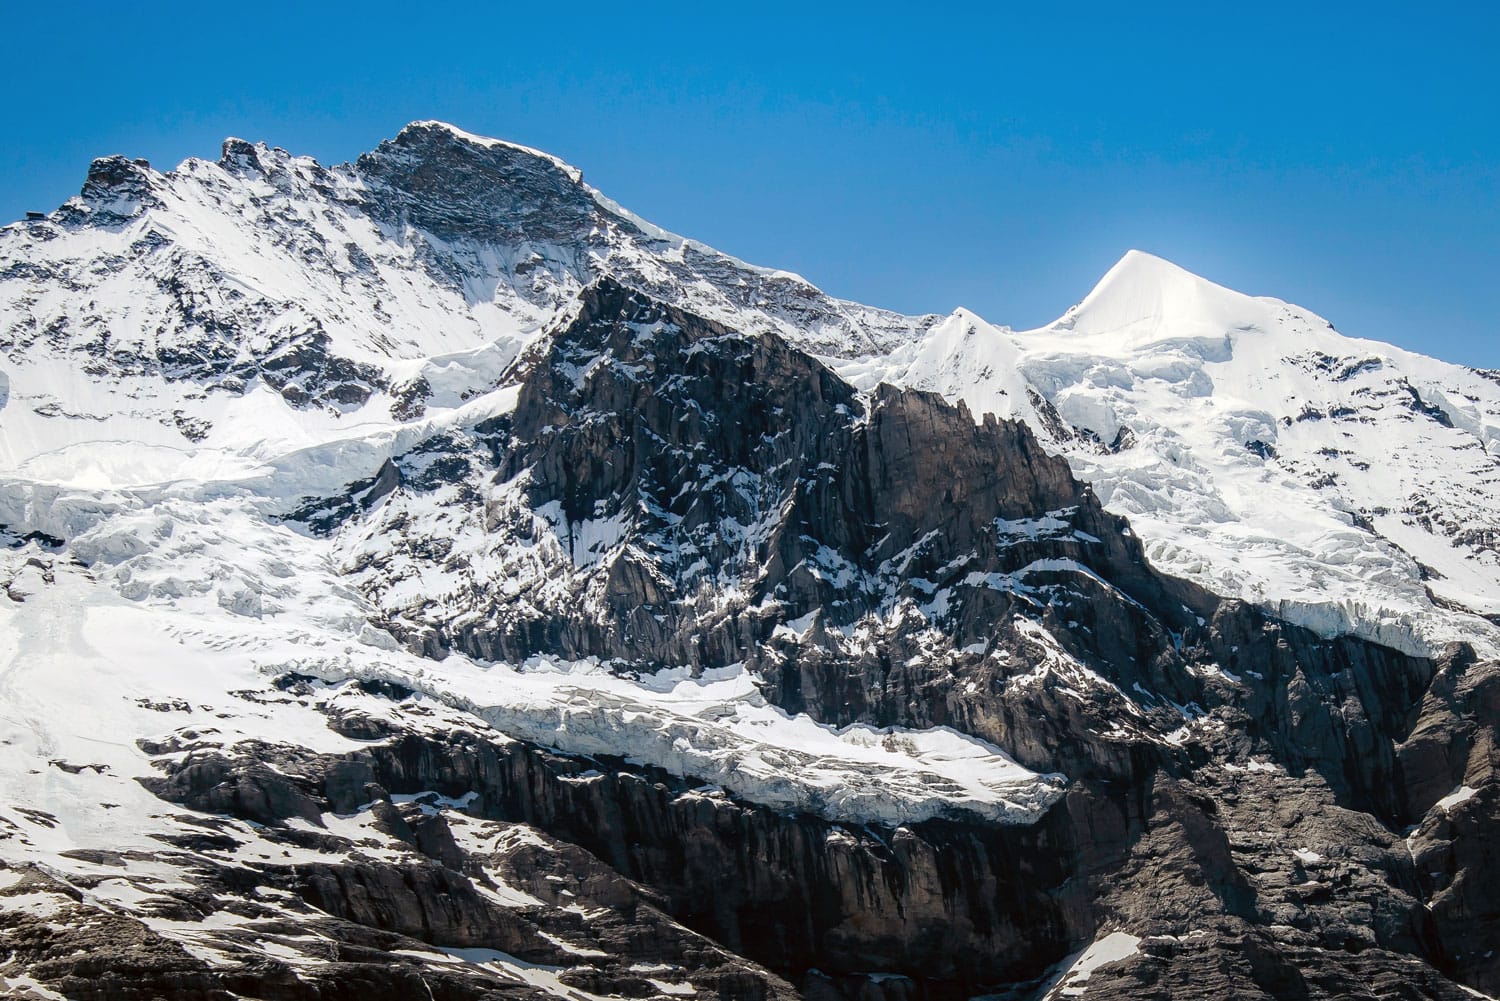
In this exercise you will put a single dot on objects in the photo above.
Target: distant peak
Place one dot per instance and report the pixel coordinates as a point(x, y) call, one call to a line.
point(1137, 267)
point(1145, 296)
point(240, 153)
point(455, 184)
point(431, 124)
point(234, 146)
point(119, 187)
point(419, 132)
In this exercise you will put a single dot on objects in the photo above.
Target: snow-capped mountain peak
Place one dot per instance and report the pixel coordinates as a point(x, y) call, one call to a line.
point(1348, 484)
point(1144, 299)
point(486, 142)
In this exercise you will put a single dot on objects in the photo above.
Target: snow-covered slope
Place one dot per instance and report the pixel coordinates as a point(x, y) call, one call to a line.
point(1349, 485)
point(262, 303)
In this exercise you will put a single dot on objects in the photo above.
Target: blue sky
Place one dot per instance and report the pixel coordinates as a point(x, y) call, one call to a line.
point(917, 157)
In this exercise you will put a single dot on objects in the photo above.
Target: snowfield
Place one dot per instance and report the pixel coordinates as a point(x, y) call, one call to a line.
point(206, 600)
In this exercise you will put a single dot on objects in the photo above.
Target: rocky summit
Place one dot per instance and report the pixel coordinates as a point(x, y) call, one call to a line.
point(424, 578)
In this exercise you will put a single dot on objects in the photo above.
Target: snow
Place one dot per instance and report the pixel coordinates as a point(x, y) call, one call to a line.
point(22, 986)
point(671, 989)
point(1473, 993)
point(78, 643)
point(545, 978)
point(38, 905)
point(1460, 795)
point(719, 729)
point(1073, 979)
point(432, 803)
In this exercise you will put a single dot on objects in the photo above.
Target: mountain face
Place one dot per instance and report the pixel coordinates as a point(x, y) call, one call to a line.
point(424, 578)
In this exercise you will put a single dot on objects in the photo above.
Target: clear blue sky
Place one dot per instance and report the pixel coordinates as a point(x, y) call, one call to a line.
point(920, 157)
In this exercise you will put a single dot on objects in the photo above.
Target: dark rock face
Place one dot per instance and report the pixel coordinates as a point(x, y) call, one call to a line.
point(1252, 881)
point(892, 562)
point(554, 236)
point(457, 189)
point(796, 891)
point(117, 190)
point(1448, 762)
point(734, 463)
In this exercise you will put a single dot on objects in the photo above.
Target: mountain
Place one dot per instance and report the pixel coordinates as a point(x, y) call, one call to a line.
point(1349, 485)
point(426, 578)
